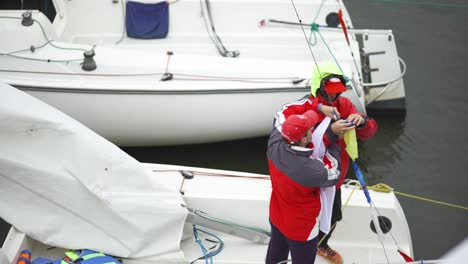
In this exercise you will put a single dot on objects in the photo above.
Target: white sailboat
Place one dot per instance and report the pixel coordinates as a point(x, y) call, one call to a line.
point(219, 74)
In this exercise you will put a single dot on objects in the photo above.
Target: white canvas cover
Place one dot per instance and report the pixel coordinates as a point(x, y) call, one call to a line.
point(66, 186)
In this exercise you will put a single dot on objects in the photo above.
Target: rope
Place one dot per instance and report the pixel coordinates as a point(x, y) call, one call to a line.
point(219, 174)
point(223, 51)
point(206, 216)
point(314, 21)
point(288, 80)
point(313, 56)
point(202, 247)
point(421, 3)
point(382, 187)
point(305, 36)
point(48, 42)
point(207, 255)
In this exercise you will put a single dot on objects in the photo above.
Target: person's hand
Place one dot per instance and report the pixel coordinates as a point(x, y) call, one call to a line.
point(356, 119)
point(330, 111)
point(341, 126)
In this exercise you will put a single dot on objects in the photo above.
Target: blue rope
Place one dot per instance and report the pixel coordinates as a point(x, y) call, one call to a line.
point(203, 249)
point(207, 255)
point(221, 244)
point(361, 181)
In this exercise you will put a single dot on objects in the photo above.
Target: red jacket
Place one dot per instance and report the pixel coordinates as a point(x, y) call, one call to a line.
point(296, 180)
point(345, 107)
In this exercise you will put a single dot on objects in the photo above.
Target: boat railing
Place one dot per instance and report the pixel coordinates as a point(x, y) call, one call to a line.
point(387, 84)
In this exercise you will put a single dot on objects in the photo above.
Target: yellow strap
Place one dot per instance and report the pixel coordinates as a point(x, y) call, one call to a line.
point(94, 255)
point(351, 143)
point(72, 255)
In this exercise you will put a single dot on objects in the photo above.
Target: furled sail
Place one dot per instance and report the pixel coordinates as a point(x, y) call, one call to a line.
point(66, 186)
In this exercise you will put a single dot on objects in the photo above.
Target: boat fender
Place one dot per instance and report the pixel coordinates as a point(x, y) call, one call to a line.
point(88, 62)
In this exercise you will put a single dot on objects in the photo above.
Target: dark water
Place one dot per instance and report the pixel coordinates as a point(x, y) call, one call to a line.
point(423, 153)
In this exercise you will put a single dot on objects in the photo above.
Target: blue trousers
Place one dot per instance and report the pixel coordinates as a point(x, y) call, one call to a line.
point(302, 252)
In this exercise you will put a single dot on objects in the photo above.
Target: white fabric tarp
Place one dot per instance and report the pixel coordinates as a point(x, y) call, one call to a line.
point(66, 186)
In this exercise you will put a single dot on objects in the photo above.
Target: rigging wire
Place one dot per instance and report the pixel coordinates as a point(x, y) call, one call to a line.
point(313, 56)
point(48, 42)
point(124, 28)
point(288, 80)
point(223, 51)
point(305, 36)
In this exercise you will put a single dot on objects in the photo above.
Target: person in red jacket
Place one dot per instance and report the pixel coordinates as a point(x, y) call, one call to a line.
point(296, 178)
point(327, 86)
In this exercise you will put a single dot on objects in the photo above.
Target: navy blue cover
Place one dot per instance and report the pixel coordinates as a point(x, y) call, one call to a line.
point(147, 21)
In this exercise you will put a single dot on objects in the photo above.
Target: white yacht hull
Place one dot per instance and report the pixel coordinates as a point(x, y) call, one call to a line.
point(179, 90)
point(161, 118)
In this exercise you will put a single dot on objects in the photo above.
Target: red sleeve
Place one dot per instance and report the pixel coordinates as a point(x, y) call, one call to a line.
point(346, 108)
point(297, 107)
point(368, 130)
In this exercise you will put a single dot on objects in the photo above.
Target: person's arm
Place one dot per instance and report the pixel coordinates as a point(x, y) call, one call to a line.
point(295, 108)
point(315, 174)
point(326, 110)
point(366, 127)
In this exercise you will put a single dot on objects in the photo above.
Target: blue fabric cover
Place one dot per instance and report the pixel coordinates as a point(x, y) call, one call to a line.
point(41, 260)
point(147, 21)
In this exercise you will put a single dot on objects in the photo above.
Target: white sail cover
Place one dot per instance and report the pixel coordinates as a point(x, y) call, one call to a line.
point(66, 186)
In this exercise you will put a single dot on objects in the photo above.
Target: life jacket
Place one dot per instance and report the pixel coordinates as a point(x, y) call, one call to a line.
point(82, 256)
point(87, 256)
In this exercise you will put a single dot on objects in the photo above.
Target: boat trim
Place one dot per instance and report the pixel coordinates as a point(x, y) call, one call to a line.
point(121, 91)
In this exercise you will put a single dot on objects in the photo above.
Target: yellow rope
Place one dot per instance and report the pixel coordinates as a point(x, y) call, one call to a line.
point(382, 187)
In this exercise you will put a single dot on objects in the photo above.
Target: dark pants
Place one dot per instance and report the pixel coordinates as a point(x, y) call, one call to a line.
point(336, 216)
point(279, 247)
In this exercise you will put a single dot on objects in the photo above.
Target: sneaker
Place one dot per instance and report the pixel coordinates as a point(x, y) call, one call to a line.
point(330, 255)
